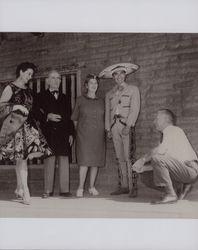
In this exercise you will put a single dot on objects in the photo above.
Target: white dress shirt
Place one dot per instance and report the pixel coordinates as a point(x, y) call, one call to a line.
point(176, 144)
point(55, 93)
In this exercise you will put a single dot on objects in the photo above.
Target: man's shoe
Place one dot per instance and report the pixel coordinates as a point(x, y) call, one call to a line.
point(168, 199)
point(186, 189)
point(120, 191)
point(133, 193)
point(47, 195)
point(66, 194)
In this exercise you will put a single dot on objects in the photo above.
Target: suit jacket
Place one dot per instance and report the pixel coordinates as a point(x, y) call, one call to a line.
point(125, 103)
point(56, 133)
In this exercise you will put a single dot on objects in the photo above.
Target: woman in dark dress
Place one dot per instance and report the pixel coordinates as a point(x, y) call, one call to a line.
point(20, 138)
point(88, 117)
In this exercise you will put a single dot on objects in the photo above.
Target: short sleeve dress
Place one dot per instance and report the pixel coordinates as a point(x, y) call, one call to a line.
point(90, 132)
point(28, 140)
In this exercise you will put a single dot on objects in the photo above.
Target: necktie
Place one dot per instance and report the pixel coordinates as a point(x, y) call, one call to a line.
point(55, 93)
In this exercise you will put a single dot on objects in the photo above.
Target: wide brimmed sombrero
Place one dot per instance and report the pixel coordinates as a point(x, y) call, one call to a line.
point(127, 67)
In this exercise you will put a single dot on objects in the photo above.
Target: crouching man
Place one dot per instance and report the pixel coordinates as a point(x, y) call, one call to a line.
point(173, 160)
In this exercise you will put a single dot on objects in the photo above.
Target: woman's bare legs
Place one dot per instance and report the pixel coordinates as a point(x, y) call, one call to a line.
point(23, 171)
point(82, 178)
point(93, 175)
point(19, 188)
point(82, 175)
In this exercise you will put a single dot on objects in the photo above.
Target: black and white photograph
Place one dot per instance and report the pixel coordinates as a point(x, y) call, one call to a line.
point(95, 121)
point(98, 125)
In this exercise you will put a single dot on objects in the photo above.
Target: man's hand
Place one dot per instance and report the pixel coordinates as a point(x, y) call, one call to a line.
point(23, 109)
point(126, 130)
point(138, 165)
point(71, 140)
point(54, 117)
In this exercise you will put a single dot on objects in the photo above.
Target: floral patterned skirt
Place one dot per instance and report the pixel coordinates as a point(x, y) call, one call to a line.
point(28, 143)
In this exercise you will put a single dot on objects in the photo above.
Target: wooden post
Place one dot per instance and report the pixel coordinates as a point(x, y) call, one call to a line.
point(78, 82)
point(38, 85)
point(73, 87)
point(64, 85)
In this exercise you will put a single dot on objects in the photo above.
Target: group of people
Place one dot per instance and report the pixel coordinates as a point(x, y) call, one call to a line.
point(45, 126)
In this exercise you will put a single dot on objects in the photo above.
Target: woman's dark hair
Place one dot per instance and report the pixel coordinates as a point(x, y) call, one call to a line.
point(91, 76)
point(25, 66)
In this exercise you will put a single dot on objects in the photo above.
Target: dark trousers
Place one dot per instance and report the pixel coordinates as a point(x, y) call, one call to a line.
point(49, 173)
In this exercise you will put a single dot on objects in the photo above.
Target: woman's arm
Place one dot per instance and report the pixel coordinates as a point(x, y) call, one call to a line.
point(75, 124)
point(6, 94)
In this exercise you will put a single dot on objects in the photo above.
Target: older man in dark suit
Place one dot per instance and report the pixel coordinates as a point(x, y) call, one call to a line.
point(173, 160)
point(53, 111)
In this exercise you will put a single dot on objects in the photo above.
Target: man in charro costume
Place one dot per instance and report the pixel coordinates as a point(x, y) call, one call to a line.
point(121, 112)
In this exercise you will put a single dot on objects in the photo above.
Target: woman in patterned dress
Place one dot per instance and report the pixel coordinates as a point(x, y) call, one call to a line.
point(88, 117)
point(20, 138)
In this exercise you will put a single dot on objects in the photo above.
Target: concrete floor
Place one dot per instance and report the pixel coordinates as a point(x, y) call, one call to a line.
point(103, 206)
point(67, 228)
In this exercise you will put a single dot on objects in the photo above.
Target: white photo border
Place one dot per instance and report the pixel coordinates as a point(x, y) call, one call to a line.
point(169, 16)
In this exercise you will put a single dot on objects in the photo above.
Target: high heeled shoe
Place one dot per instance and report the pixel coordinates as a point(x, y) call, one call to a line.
point(19, 193)
point(79, 192)
point(26, 202)
point(26, 197)
point(93, 191)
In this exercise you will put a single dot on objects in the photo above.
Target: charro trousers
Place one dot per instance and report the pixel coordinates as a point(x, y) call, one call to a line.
point(49, 173)
point(122, 146)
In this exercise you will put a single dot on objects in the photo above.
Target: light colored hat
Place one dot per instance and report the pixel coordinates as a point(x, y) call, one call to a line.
point(128, 68)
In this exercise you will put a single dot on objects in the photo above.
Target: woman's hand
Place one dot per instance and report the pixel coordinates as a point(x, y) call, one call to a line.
point(23, 109)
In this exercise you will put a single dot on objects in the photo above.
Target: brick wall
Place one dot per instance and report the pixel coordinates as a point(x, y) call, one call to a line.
point(167, 77)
